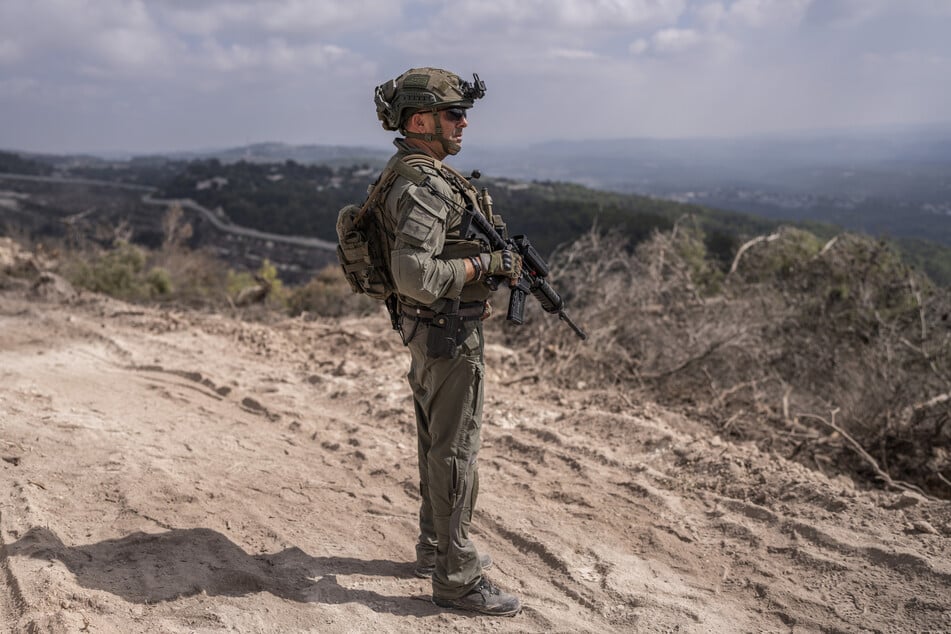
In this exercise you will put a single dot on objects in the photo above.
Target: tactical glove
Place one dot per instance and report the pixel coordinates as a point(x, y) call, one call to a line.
point(504, 263)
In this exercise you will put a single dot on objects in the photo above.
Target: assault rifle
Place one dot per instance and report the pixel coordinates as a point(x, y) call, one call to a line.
point(534, 271)
point(475, 226)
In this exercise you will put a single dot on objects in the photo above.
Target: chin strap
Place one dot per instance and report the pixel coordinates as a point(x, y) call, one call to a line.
point(448, 146)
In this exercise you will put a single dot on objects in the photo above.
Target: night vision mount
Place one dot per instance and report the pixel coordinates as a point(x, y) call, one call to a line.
point(475, 90)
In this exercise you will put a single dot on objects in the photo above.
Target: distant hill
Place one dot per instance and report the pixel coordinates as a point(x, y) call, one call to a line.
point(887, 182)
point(280, 152)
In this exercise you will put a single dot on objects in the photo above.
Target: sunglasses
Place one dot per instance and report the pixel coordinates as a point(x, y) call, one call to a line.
point(455, 114)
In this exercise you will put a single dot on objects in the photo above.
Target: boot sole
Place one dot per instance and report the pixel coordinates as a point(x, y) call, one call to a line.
point(476, 609)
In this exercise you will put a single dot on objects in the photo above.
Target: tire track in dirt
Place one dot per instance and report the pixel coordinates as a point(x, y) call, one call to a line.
point(799, 546)
point(804, 562)
point(298, 489)
point(600, 479)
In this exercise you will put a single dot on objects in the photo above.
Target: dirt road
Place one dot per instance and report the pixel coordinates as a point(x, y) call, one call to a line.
point(182, 472)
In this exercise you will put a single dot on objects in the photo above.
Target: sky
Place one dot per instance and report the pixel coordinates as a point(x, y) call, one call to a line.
point(166, 75)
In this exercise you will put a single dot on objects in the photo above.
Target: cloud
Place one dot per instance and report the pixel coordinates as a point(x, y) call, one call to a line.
point(130, 49)
point(850, 13)
point(274, 55)
point(131, 35)
point(709, 15)
point(17, 87)
point(107, 34)
point(844, 12)
point(10, 52)
point(639, 46)
point(325, 15)
point(770, 13)
point(713, 47)
point(286, 17)
point(675, 40)
point(156, 68)
point(538, 36)
point(572, 53)
point(208, 18)
point(575, 14)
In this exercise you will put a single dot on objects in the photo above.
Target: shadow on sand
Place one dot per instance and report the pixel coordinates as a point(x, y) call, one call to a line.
point(149, 568)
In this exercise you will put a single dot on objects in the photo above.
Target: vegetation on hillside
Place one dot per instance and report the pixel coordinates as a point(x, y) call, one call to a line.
point(830, 348)
point(15, 164)
point(833, 352)
point(296, 199)
point(287, 198)
point(303, 199)
point(830, 351)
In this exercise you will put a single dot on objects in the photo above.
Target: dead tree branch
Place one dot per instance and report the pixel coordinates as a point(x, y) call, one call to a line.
point(828, 245)
point(860, 450)
point(743, 249)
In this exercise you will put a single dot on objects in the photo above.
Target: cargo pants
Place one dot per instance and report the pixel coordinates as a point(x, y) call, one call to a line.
point(448, 396)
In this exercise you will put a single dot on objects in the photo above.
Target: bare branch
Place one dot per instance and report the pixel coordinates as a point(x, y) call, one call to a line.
point(743, 249)
point(860, 450)
point(828, 245)
point(921, 310)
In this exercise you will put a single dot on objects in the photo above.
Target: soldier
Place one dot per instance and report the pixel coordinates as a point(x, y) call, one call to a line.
point(439, 278)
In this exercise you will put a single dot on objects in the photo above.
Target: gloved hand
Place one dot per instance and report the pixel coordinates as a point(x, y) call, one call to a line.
point(504, 262)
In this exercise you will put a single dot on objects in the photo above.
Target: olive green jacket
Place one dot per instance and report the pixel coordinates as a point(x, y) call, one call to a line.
point(427, 255)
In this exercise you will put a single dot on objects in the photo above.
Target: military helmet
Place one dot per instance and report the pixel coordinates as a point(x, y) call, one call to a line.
point(423, 89)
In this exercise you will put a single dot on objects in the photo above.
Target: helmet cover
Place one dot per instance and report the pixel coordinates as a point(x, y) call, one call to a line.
point(423, 89)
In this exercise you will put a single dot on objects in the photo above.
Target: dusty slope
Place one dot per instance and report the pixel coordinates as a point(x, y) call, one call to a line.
point(177, 472)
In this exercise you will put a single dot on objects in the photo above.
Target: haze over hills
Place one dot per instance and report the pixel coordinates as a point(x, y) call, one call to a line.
point(893, 182)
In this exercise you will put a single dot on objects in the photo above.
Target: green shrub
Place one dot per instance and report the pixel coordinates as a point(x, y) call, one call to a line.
point(160, 281)
point(779, 256)
point(263, 286)
point(121, 272)
point(690, 243)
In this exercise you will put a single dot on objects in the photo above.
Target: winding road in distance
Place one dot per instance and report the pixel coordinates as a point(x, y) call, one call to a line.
point(186, 203)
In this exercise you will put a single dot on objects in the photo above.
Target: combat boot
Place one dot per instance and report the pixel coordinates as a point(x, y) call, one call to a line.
point(426, 564)
point(485, 598)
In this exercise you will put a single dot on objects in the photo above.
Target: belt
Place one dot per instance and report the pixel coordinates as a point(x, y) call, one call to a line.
point(467, 311)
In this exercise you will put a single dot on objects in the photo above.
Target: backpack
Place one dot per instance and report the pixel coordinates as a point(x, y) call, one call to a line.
point(360, 250)
point(362, 237)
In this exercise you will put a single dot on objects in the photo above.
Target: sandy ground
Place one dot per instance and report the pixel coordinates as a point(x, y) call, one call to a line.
point(182, 472)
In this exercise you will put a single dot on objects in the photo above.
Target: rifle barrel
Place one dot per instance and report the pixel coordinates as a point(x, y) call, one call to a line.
point(562, 315)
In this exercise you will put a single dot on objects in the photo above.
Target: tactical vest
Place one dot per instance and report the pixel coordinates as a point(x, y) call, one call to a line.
point(367, 234)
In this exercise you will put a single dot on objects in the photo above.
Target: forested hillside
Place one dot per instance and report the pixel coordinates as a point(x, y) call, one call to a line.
point(293, 198)
point(302, 199)
point(298, 199)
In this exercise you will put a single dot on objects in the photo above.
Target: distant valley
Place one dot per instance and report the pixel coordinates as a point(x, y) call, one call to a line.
point(893, 183)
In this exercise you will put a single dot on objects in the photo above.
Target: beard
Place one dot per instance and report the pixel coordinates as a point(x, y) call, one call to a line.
point(451, 147)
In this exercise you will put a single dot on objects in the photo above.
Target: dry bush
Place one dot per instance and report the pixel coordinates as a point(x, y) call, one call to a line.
point(198, 278)
point(836, 355)
point(328, 294)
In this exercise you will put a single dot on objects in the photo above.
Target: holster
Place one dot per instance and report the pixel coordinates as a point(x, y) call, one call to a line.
point(446, 329)
point(445, 334)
